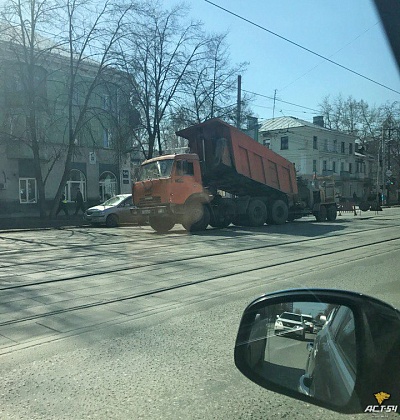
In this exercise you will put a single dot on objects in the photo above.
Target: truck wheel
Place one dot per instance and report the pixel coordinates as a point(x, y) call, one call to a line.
point(112, 221)
point(200, 224)
point(279, 212)
point(161, 224)
point(223, 215)
point(331, 213)
point(256, 213)
point(321, 214)
point(364, 206)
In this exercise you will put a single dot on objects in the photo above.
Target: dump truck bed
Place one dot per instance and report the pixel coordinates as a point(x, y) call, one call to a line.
point(234, 162)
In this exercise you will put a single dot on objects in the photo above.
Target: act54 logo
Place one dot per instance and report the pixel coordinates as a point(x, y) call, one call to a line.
point(380, 398)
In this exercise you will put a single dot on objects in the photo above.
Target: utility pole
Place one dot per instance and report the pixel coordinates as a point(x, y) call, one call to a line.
point(273, 109)
point(239, 102)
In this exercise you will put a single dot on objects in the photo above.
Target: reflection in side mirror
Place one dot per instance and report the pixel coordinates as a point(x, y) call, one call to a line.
point(291, 353)
point(315, 346)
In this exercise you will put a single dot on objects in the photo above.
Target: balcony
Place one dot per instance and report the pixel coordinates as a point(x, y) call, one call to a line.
point(345, 175)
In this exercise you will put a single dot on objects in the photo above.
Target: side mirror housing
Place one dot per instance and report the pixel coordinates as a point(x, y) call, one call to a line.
point(350, 364)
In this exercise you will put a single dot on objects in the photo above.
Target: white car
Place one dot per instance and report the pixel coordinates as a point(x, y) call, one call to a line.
point(112, 212)
point(290, 323)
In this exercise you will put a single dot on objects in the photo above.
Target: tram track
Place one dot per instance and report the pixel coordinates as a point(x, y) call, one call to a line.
point(150, 241)
point(148, 253)
point(185, 284)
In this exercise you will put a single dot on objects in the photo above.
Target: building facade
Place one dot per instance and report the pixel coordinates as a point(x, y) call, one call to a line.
point(319, 152)
point(101, 114)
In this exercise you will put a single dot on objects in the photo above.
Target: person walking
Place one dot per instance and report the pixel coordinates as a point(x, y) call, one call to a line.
point(62, 205)
point(79, 202)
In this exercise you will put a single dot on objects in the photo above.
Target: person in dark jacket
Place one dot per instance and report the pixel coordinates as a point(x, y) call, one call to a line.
point(62, 205)
point(79, 202)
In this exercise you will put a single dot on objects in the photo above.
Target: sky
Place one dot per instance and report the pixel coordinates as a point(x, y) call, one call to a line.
point(348, 32)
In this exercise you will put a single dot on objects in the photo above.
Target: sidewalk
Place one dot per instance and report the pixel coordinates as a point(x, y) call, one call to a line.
point(30, 222)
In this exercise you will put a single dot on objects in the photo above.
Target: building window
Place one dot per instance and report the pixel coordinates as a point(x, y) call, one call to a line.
point(350, 167)
point(334, 166)
point(106, 138)
point(314, 166)
point(341, 166)
point(350, 148)
point(315, 143)
point(107, 186)
point(324, 165)
point(27, 190)
point(285, 143)
point(326, 145)
point(267, 143)
point(342, 145)
point(335, 146)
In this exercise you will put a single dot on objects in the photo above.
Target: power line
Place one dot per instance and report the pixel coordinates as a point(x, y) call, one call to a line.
point(302, 47)
point(340, 49)
point(280, 100)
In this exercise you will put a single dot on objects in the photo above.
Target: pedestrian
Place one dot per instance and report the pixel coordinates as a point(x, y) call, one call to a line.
point(79, 202)
point(62, 205)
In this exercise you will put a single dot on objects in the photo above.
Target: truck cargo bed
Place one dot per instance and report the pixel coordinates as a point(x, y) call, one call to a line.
point(234, 162)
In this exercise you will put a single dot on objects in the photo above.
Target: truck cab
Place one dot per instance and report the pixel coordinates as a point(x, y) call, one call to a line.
point(166, 186)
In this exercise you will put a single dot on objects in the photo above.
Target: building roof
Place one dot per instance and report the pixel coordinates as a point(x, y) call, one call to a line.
point(283, 123)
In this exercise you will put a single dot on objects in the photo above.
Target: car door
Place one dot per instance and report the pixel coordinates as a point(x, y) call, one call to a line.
point(124, 210)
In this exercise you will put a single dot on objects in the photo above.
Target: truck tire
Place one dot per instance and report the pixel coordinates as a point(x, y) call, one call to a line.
point(161, 224)
point(223, 215)
point(279, 213)
point(331, 213)
point(201, 224)
point(364, 206)
point(321, 214)
point(256, 213)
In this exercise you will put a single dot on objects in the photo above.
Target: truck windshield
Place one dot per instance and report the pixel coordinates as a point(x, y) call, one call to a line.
point(158, 169)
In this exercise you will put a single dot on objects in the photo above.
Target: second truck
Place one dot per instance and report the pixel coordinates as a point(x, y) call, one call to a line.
point(226, 178)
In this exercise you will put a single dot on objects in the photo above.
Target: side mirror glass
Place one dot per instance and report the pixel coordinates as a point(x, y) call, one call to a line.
point(316, 346)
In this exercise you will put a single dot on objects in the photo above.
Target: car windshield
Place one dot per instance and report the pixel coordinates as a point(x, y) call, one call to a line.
point(292, 317)
point(114, 201)
point(153, 170)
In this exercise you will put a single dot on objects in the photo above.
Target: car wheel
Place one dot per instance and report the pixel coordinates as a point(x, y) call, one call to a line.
point(112, 221)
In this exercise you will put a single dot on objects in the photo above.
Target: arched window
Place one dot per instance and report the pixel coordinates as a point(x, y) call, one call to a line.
point(76, 180)
point(107, 186)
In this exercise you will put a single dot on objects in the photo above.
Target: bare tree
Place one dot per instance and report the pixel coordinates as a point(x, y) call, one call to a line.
point(377, 128)
point(90, 33)
point(76, 61)
point(212, 86)
point(159, 53)
point(26, 52)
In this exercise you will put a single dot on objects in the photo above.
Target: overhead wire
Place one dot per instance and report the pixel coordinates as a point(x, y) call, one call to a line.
point(302, 47)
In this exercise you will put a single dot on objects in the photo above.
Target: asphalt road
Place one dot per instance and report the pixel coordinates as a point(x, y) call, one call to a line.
point(127, 324)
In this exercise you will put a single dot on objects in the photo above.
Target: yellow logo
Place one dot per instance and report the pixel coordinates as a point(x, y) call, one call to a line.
point(381, 396)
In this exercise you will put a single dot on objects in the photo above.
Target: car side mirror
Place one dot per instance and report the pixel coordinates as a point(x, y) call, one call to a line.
point(348, 362)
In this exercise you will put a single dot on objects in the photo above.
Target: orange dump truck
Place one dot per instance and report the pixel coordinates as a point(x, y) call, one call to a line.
point(227, 178)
